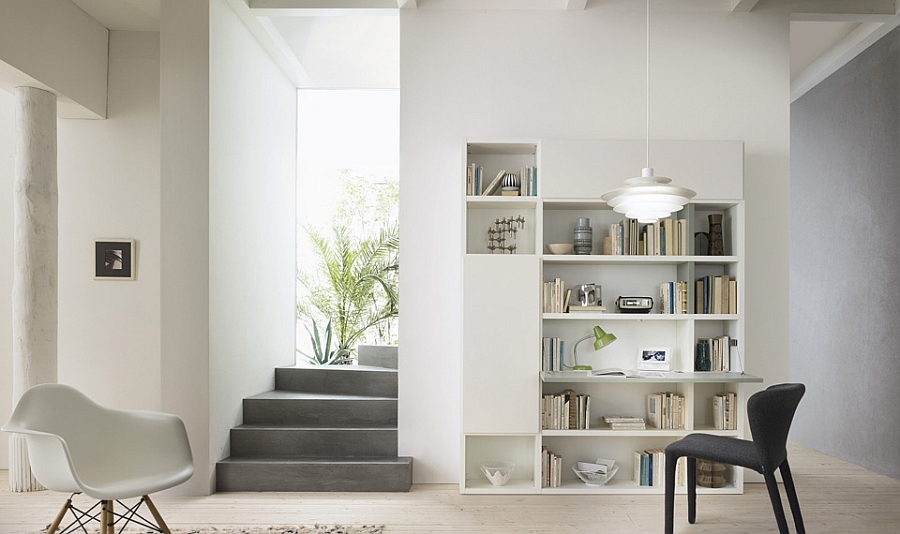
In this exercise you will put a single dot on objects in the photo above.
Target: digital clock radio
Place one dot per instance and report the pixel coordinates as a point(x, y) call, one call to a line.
point(634, 304)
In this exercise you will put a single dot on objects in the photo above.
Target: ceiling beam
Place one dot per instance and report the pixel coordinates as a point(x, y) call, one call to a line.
point(575, 5)
point(743, 6)
point(406, 4)
point(826, 7)
point(839, 55)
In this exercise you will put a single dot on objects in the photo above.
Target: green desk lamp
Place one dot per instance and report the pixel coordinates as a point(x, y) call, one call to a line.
point(601, 339)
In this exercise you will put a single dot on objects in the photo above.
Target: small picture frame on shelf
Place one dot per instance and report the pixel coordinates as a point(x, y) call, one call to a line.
point(114, 259)
point(655, 358)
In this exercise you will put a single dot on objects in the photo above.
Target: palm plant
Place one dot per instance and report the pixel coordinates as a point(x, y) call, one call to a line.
point(356, 286)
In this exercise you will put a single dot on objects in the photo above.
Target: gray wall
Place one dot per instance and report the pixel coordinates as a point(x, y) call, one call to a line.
point(845, 260)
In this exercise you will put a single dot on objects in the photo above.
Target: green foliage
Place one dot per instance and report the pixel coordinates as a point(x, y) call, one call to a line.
point(354, 283)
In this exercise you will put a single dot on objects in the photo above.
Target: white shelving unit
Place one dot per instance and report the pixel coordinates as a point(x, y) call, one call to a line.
point(502, 380)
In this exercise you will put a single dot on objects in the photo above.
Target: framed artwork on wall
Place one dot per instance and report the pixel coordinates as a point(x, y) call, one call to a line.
point(114, 259)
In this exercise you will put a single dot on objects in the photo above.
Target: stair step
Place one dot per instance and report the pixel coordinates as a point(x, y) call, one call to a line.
point(317, 442)
point(320, 410)
point(323, 474)
point(338, 379)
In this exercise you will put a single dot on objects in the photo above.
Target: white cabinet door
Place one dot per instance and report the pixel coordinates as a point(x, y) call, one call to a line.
point(501, 344)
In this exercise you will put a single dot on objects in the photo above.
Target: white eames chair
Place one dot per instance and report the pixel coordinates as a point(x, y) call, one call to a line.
point(78, 446)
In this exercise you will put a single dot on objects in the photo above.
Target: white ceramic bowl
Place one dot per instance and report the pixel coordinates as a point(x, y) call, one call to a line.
point(498, 472)
point(560, 248)
point(593, 478)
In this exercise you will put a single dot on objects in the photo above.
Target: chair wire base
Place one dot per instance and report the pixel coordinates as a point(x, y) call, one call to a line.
point(111, 522)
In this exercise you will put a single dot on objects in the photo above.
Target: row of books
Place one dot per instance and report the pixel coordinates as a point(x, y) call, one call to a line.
point(673, 297)
point(666, 410)
point(555, 297)
point(724, 410)
point(666, 237)
point(551, 469)
point(552, 354)
point(476, 186)
point(716, 351)
point(566, 411)
point(716, 294)
point(624, 422)
point(650, 468)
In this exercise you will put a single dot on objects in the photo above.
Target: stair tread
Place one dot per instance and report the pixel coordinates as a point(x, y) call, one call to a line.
point(271, 426)
point(343, 368)
point(400, 460)
point(285, 394)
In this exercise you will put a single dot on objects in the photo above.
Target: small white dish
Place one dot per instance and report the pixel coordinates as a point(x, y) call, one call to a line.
point(561, 248)
point(593, 478)
point(498, 472)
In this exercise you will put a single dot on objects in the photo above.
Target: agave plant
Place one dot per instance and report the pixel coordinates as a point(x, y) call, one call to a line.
point(322, 353)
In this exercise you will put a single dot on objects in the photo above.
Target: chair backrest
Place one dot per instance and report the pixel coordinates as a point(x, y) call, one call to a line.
point(75, 444)
point(770, 413)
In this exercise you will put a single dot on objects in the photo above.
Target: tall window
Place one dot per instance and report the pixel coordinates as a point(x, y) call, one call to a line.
point(347, 228)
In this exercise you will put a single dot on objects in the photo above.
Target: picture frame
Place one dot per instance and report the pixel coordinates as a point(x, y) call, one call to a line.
point(114, 259)
point(656, 358)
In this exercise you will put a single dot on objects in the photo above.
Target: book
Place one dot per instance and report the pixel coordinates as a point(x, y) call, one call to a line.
point(495, 183)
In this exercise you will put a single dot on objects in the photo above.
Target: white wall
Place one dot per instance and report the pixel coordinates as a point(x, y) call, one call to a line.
point(252, 177)
point(715, 75)
point(109, 330)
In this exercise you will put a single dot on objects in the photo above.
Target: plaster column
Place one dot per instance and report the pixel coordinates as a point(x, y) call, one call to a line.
point(34, 296)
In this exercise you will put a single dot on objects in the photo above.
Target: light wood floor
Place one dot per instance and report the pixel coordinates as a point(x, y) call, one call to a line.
point(836, 498)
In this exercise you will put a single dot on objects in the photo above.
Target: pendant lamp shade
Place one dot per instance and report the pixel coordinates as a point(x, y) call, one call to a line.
point(647, 197)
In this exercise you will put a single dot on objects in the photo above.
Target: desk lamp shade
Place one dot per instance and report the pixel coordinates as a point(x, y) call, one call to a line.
point(601, 339)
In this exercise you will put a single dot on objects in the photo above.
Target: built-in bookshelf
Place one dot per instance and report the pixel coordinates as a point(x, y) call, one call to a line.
point(521, 401)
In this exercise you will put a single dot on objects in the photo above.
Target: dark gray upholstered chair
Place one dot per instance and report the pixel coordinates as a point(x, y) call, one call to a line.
point(770, 413)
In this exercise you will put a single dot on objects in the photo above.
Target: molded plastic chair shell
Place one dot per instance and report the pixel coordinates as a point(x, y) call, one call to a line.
point(77, 445)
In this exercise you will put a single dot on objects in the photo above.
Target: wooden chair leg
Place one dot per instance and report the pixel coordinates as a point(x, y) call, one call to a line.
point(692, 489)
point(792, 497)
point(671, 461)
point(775, 497)
point(159, 520)
point(59, 517)
point(110, 527)
point(104, 517)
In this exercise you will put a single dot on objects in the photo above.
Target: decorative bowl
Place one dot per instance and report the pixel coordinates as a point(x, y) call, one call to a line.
point(498, 472)
point(593, 478)
point(560, 248)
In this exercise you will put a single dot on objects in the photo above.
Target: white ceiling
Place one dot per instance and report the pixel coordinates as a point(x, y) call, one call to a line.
point(355, 43)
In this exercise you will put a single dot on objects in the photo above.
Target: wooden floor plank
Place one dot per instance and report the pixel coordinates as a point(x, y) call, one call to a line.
point(836, 498)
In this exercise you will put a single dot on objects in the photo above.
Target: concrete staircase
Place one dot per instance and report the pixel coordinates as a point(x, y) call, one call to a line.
point(328, 428)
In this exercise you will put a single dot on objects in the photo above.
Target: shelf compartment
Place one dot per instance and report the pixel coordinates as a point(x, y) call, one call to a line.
point(630, 487)
point(520, 449)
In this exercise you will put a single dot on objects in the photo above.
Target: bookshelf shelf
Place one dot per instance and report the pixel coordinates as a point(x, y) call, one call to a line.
point(503, 368)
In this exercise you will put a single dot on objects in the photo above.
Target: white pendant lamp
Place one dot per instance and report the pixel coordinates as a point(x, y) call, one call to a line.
point(648, 198)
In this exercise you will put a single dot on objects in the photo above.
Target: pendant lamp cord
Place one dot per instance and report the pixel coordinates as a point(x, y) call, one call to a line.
point(648, 83)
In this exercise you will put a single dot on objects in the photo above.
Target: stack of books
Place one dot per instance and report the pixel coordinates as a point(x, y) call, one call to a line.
point(528, 180)
point(566, 411)
point(724, 411)
point(716, 294)
point(555, 297)
point(552, 354)
point(717, 350)
point(551, 469)
point(666, 237)
point(666, 410)
point(673, 298)
point(623, 422)
point(650, 468)
point(473, 180)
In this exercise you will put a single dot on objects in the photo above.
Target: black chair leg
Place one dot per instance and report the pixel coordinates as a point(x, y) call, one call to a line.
point(671, 461)
point(792, 497)
point(692, 489)
point(775, 497)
